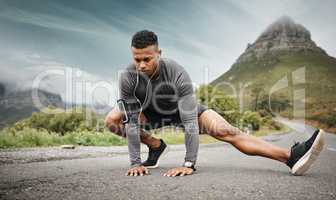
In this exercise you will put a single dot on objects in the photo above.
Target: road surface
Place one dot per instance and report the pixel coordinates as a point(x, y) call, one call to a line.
point(222, 173)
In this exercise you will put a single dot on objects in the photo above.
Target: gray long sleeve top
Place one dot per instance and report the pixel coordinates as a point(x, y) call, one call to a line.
point(170, 93)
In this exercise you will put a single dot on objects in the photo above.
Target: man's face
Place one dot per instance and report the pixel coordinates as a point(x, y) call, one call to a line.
point(147, 59)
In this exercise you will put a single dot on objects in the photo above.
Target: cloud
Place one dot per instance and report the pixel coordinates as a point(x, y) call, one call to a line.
point(96, 35)
point(73, 84)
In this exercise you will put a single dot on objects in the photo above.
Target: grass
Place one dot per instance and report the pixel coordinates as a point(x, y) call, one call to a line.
point(29, 137)
point(267, 131)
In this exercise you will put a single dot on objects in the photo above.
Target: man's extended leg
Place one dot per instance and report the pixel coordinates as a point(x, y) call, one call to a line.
point(216, 126)
point(299, 158)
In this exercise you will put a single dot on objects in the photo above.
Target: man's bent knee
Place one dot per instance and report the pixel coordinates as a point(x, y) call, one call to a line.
point(113, 121)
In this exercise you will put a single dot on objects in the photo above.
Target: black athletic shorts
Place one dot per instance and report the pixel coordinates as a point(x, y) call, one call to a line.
point(157, 120)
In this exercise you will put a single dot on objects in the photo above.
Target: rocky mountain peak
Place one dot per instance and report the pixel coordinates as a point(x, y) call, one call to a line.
point(282, 35)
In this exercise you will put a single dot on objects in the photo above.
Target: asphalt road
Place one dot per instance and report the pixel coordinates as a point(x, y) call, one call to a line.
point(223, 173)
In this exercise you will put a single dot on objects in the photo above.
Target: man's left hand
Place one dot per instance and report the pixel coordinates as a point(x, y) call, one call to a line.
point(179, 171)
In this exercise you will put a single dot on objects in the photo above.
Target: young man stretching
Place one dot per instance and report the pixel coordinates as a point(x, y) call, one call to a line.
point(156, 92)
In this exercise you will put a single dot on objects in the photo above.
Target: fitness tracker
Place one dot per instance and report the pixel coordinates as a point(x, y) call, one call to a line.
point(189, 165)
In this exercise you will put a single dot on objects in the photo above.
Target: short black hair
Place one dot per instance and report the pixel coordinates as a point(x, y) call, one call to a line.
point(144, 38)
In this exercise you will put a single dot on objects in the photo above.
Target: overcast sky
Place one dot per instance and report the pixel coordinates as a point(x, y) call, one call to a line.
point(94, 36)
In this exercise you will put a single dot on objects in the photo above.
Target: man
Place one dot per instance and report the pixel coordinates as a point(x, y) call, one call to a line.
point(156, 92)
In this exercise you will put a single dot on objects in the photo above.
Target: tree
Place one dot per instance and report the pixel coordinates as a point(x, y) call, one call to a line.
point(216, 99)
point(257, 90)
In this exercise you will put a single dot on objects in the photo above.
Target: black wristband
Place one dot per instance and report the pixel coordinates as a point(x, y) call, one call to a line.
point(193, 168)
point(190, 165)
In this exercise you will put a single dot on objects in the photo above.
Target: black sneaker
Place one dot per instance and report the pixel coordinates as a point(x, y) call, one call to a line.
point(305, 153)
point(154, 155)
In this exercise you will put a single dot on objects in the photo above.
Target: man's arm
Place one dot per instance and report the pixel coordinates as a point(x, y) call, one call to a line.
point(188, 114)
point(127, 85)
point(187, 105)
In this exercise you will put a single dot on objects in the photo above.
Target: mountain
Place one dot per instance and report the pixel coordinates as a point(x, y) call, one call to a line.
point(283, 35)
point(285, 65)
point(19, 104)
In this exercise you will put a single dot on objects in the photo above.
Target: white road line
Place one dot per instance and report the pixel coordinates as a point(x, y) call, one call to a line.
point(331, 149)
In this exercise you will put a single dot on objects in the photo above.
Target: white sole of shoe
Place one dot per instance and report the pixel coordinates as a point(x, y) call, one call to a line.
point(303, 164)
point(164, 153)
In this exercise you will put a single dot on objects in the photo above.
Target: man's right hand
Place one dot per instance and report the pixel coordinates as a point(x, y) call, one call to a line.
point(138, 170)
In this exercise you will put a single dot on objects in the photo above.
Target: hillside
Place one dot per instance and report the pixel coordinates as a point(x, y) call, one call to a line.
point(285, 65)
point(18, 104)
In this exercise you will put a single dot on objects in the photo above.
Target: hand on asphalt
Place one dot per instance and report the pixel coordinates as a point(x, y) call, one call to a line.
point(138, 170)
point(179, 171)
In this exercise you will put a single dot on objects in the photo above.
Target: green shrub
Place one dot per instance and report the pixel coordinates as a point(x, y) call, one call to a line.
point(217, 100)
point(251, 118)
point(265, 113)
point(60, 123)
point(328, 118)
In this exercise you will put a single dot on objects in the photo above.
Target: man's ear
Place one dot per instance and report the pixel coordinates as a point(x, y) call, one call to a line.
point(158, 56)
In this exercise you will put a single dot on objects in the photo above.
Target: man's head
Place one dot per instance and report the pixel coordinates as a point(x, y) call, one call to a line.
point(146, 52)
